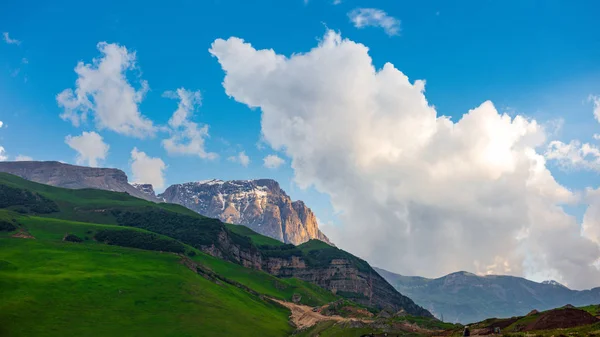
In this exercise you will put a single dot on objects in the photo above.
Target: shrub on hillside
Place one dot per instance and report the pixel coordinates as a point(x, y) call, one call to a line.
point(194, 231)
point(25, 201)
point(281, 251)
point(72, 238)
point(6, 226)
point(135, 239)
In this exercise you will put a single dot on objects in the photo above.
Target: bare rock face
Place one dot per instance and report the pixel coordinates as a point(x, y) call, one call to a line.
point(75, 177)
point(145, 188)
point(343, 277)
point(258, 204)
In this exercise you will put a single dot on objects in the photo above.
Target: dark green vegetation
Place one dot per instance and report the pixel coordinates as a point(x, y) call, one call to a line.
point(24, 201)
point(138, 239)
point(7, 226)
point(464, 297)
point(72, 238)
point(319, 254)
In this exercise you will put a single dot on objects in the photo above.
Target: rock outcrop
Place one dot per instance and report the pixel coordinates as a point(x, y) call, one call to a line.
point(258, 204)
point(147, 189)
point(76, 177)
point(343, 277)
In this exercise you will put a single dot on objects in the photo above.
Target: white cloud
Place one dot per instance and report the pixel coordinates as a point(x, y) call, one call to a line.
point(23, 158)
point(365, 17)
point(187, 137)
point(90, 148)
point(102, 88)
point(147, 170)
point(240, 158)
point(404, 179)
point(272, 161)
point(596, 102)
point(1, 124)
point(337, 2)
point(3, 155)
point(8, 40)
point(574, 155)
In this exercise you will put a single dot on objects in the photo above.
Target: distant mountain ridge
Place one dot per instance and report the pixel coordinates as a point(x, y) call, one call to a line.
point(465, 297)
point(75, 177)
point(258, 204)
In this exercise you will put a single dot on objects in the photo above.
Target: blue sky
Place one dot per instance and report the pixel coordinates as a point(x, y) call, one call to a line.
point(540, 59)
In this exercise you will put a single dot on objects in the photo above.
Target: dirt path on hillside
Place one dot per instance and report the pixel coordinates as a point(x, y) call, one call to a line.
point(304, 317)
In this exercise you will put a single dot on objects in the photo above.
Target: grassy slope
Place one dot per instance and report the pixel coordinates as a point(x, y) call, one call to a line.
point(267, 284)
point(50, 287)
point(261, 282)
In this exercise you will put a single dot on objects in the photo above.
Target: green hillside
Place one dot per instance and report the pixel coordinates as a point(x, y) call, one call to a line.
point(92, 262)
point(104, 285)
point(54, 288)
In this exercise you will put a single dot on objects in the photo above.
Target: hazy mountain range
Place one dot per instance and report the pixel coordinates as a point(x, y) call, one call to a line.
point(465, 297)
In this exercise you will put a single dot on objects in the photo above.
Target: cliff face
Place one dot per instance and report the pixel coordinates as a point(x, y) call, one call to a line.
point(342, 277)
point(75, 177)
point(259, 204)
point(346, 276)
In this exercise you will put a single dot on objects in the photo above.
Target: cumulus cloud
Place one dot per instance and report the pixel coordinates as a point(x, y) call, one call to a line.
point(373, 17)
point(574, 155)
point(23, 158)
point(90, 148)
point(8, 40)
point(102, 89)
point(272, 161)
point(1, 124)
point(3, 155)
point(187, 137)
point(147, 170)
point(240, 158)
point(416, 193)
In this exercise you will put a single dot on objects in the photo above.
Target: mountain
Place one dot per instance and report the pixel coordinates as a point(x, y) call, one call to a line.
point(120, 219)
point(258, 204)
point(75, 177)
point(464, 297)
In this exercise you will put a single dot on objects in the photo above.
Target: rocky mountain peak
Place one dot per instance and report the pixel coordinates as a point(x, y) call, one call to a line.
point(145, 188)
point(71, 176)
point(553, 283)
point(259, 204)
